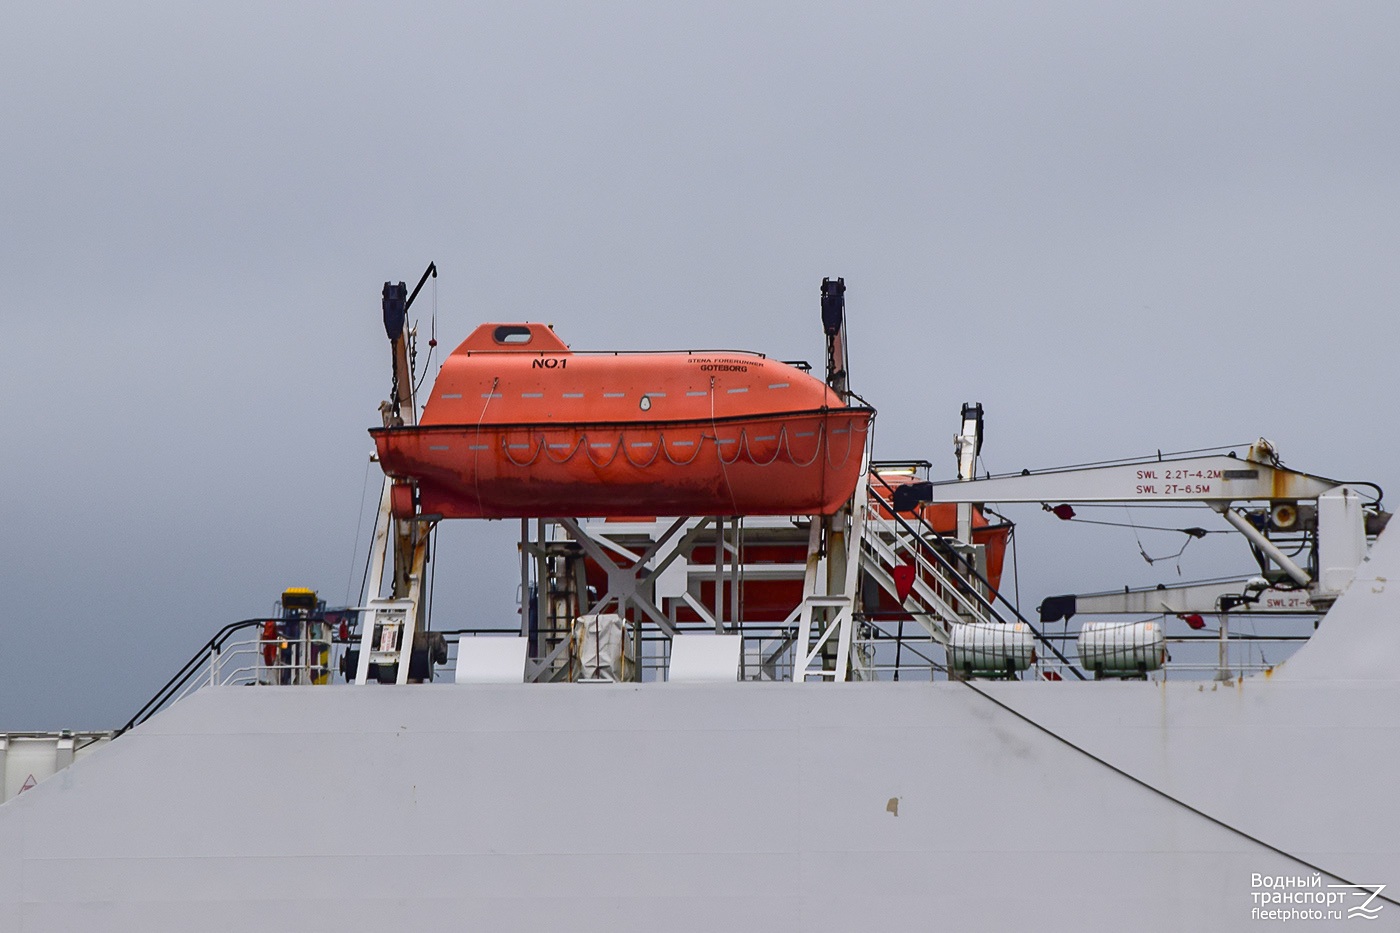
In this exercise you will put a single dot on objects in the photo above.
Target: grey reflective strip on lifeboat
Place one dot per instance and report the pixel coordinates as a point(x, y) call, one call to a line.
point(532, 395)
point(614, 395)
point(573, 395)
point(740, 389)
point(777, 385)
point(693, 394)
point(453, 395)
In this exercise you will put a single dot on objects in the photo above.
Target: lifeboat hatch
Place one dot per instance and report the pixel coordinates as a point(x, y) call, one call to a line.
point(513, 337)
point(510, 334)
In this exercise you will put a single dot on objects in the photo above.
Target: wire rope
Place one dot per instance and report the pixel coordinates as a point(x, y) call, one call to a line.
point(719, 452)
point(359, 524)
point(476, 448)
point(1146, 785)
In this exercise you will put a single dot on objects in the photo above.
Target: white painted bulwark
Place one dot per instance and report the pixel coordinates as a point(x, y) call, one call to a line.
point(485, 660)
point(737, 806)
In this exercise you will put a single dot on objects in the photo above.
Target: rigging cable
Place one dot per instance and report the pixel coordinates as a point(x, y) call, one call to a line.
point(431, 570)
point(1015, 568)
point(1127, 461)
point(476, 448)
point(1191, 535)
point(359, 523)
point(432, 343)
point(1164, 795)
point(719, 454)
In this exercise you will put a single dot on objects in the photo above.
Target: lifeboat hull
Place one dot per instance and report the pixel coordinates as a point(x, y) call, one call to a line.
point(793, 463)
point(517, 425)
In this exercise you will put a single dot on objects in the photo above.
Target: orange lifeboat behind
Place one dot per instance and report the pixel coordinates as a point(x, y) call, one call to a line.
point(519, 426)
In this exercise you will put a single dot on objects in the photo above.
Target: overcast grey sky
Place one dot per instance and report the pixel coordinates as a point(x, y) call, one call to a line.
point(1122, 227)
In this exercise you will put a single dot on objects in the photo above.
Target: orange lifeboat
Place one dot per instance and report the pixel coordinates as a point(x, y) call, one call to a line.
point(519, 426)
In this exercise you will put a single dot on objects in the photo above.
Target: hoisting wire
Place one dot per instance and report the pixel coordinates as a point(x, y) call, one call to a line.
point(1193, 531)
point(1191, 535)
point(1066, 513)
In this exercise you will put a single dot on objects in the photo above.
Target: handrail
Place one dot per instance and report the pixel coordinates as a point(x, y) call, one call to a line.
point(192, 666)
point(910, 545)
point(943, 561)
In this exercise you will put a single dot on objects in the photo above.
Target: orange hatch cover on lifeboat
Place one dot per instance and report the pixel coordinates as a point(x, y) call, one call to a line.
point(519, 426)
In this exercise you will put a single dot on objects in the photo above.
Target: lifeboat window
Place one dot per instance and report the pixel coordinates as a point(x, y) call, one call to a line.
point(512, 336)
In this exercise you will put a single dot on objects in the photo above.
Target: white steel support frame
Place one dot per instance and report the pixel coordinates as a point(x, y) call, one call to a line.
point(830, 608)
point(636, 572)
point(379, 552)
point(627, 584)
point(379, 548)
point(1216, 481)
point(379, 557)
point(415, 598)
point(534, 558)
point(823, 624)
point(411, 539)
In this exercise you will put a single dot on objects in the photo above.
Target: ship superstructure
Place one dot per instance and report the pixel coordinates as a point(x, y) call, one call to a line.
point(814, 708)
